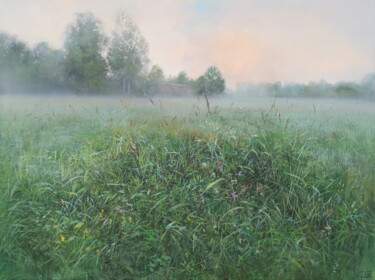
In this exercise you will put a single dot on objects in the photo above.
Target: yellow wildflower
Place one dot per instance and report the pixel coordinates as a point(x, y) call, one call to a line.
point(189, 219)
point(130, 219)
point(62, 201)
point(62, 238)
point(85, 232)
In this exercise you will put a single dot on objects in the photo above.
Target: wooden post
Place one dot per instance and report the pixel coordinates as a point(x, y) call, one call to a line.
point(207, 103)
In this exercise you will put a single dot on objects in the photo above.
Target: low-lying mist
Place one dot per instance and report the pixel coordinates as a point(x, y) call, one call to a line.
point(40, 104)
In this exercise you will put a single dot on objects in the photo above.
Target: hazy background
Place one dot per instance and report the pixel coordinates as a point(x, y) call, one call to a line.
point(250, 41)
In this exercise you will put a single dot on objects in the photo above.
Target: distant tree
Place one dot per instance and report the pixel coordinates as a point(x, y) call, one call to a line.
point(368, 85)
point(211, 83)
point(346, 89)
point(85, 66)
point(214, 82)
point(15, 63)
point(274, 89)
point(182, 78)
point(48, 66)
point(199, 86)
point(156, 74)
point(128, 53)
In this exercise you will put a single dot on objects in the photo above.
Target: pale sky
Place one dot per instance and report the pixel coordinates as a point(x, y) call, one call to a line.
point(249, 40)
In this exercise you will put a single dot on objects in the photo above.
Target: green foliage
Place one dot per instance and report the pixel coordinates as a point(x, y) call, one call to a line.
point(215, 84)
point(363, 90)
point(15, 64)
point(211, 83)
point(25, 69)
point(199, 86)
point(128, 52)
point(154, 77)
point(85, 65)
point(48, 64)
point(182, 78)
point(156, 74)
point(126, 192)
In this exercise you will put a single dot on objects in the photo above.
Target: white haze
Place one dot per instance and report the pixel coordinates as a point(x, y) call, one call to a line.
point(44, 105)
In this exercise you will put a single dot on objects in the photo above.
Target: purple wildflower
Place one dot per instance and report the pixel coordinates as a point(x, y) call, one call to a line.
point(234, 195)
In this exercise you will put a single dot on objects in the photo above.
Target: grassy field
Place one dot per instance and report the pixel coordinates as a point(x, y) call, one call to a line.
point(98, 188)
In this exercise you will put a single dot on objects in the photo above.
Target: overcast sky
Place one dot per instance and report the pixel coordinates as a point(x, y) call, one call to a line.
point(249, 40)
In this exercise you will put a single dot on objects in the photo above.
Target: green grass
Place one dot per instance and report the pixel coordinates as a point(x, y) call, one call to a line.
point(135, 191)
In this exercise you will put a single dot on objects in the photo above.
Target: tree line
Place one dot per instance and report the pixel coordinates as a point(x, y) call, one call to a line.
point(92, 62)
point(363, 89)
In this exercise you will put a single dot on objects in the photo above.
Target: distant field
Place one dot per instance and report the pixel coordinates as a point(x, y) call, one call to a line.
point(103, 188)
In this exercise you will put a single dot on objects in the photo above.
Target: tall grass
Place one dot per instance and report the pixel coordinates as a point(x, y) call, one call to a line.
point(139, 192)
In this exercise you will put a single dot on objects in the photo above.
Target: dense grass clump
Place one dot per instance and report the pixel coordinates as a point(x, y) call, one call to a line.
point(122, 193)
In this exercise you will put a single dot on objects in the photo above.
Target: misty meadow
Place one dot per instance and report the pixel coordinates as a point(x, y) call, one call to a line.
point(113, 169)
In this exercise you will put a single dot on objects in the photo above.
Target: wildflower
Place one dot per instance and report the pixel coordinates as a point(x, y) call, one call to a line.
point(234, 195)
point(86, 232)
point(189, 219)
point(62, 239)
point(239, 174)
point(220, 162)
point(62, 201)
point(204, 165)
point(328, 227)
point(130, 219)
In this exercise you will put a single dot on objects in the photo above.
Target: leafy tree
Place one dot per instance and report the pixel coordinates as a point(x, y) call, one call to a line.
point(156, 74)
point(346, 89)
point(128, 53)
point(368, 83)
point(214, 82)
point(182, 79)
point(15, 63)
point(199, 87)
point(48, 66)
point(85, 65)
point(211, 83)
